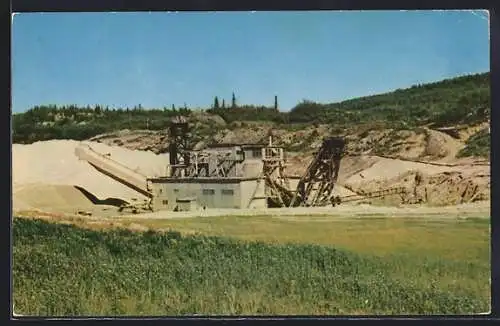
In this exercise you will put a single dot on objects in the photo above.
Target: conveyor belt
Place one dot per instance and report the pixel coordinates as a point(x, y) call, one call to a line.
point(114, 169)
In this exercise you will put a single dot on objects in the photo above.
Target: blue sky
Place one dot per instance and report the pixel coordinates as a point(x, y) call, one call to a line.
point(159, 59)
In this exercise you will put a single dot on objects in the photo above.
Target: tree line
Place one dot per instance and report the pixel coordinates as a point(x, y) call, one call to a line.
point(453, 101)
point(216, 105)
point(46, 122)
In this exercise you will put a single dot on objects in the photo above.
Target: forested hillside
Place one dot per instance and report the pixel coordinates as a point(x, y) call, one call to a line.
point(462, 100)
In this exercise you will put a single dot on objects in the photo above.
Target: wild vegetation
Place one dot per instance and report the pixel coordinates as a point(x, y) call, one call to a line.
point(477, 145)
point(462, 100)
point(46, 122)
point(65, 270)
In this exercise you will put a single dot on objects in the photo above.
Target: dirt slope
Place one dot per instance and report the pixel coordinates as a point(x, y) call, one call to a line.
point(441, 146)
point(410, 144)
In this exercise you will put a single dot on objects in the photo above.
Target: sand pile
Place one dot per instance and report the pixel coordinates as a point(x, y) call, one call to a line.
point(386, 168)
point(54, 163)
point(353, 165)
point(41, 196)
point(444, 188)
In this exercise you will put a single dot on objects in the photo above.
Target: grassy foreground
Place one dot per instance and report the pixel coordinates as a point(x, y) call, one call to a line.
point(65, 270)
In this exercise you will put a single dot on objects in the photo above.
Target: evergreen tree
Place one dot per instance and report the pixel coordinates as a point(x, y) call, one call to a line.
point(276, 102)
point(223, 103)
point(216, 103)
point(233, 102)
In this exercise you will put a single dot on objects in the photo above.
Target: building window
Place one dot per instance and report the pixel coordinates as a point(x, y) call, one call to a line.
point(165, 202)
point(228, 192)
point(208, 191)
point(256, 153)
point(176, 190)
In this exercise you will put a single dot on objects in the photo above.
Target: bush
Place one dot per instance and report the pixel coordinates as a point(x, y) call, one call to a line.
point(477, 145)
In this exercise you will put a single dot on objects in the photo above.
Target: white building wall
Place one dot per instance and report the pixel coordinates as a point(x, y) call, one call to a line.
point(209, 195)
point(253, 188)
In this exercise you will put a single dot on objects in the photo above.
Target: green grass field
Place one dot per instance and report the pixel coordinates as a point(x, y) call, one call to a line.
point(269, 266)
point(379, 236)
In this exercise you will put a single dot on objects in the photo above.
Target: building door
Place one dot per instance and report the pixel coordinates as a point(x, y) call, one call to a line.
point(208, 196)
point(227, 198)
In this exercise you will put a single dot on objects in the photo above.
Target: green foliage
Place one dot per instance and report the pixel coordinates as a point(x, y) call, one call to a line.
point(63, 270)
point(458, 100)
point(250, 113)
point(477, 145)
point(72, 122)
point(216, 103)
point(449, 102)
point(308, 111)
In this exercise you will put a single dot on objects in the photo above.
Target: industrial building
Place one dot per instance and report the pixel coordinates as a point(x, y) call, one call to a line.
point(202, 192)
point(228, 175)
point(222, 176)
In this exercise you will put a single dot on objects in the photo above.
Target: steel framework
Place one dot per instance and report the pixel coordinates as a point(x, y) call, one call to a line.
point(187, 163)
point(315, 188)
point(273, 171)
point(178, 149)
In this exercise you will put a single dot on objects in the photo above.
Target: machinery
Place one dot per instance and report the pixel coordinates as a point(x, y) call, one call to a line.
point(263, 163)
point(315, 188)
point(120, 173)
point(178, 154)
point(206, 163)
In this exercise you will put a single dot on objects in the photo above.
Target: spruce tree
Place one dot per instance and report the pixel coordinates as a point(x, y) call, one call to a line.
point(276, 102)
point(216, 103)
point(233, 104)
